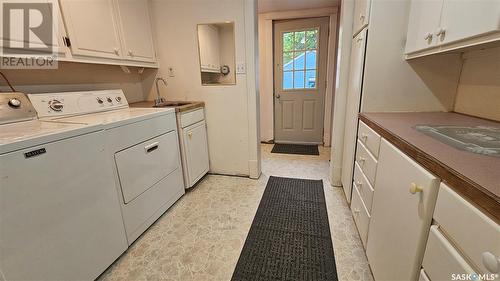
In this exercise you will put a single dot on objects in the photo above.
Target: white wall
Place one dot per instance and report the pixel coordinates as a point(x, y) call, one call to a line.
point(478, 91)
point(266, 64)
point(227, 107)
point(77, 77)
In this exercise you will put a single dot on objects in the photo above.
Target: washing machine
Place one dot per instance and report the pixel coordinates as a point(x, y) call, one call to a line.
point(142, 144)
point(60, 213)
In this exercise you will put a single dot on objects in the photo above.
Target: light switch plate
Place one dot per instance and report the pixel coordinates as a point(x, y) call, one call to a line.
point(241, 68)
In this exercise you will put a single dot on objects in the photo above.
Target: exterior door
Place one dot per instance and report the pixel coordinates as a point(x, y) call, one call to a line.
point(300, 54)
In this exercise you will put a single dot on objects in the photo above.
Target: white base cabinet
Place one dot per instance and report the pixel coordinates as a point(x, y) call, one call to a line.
point(402, 209)
point(194, 145)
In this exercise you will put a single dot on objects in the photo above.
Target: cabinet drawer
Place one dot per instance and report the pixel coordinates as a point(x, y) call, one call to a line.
point(369, 138)
point(191, 117)
point(360, 214)
point(441, 260)
point(143, 165)
point(423, 276)
point(364, 187)
point(366, 162)
point(474, 233)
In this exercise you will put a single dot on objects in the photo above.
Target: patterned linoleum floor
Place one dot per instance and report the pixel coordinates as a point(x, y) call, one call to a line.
point(201, 236)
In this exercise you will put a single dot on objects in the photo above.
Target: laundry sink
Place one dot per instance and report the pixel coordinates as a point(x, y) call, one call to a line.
point(173, 104)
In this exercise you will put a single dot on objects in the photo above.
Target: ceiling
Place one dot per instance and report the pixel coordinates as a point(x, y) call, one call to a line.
point(285, 5)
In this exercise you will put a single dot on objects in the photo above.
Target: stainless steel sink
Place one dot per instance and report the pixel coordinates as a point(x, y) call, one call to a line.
point(479, 139)
point(173, 104)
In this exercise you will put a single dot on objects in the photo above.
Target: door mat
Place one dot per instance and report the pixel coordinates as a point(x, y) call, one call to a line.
point(290, 235)
point(295, 149)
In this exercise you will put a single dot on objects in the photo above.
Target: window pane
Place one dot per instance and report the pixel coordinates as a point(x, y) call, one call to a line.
point(300, 40)
point(299, 61)
point(312, 39)
point(287, 61)
point(298, 80)
point(311, 79)
point(288, 41)
point(311, 59)
point(287, 80)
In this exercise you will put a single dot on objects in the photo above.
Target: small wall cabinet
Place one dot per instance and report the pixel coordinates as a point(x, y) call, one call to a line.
point(451, 24)
point(209, 47)
point(119, 30)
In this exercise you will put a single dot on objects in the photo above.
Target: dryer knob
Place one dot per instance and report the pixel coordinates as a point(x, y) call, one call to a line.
point(14, 103)
point(99, 100)
point(56, 105)
point(109, 99)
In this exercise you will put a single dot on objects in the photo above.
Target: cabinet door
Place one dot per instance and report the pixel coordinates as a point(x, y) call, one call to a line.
point(352, 110)
point(423, 21)
point(137, 38)
point(92, 28)
point(463, 19)
point(361, 15)
point(17, 33)
point(401, 215)
point(208, 37)
point(196, 145)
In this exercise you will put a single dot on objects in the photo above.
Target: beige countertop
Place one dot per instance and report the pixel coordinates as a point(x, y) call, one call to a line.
point(190, 106)
point(476, 177)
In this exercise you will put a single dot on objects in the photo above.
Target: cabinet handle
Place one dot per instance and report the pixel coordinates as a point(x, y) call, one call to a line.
point(359, 184)
point(117, 52)
point(491, 262)
point(364, 137)
point(356, 211)
point(414, 188)
point(361, 17)
point(362, 160)
point(130, 53)
point(428, 36)
point(151, 147)
point(359, 39)
point(190, 135)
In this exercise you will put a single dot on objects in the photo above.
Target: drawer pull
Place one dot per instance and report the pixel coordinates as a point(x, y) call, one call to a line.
point(414, 188)
point(362, 159)
point(359, 184)
point(152, 147)
point(364, 137)
point(356, 211)
point(190, 134)
point(491, 262)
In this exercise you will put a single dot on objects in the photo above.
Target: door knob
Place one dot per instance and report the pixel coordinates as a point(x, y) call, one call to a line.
point(278, 96)
point(414, 188)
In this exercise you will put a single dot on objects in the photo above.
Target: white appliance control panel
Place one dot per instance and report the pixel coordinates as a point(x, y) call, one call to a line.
point(76, 103)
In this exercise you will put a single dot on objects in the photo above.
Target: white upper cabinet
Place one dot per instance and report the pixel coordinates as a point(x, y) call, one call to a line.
point(424, 19)
point(208, 40)
point(137, 38)
point(441, 25)
point(465, 18)
point(92, 28)
point(361, 15)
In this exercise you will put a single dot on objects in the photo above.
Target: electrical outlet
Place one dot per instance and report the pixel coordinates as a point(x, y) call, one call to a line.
point(171, 72)
point(241, 68)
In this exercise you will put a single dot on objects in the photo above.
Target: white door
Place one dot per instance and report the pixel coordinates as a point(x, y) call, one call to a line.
point(423, 21)
point(137, 39)
point(60, 215)
point(196, 146)
point(464, 18)
point(400, 220)
point(356, 69)
point(300, 54)
point(92, 28)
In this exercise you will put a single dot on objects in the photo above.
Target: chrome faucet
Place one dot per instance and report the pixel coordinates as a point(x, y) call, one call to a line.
point(159, 99)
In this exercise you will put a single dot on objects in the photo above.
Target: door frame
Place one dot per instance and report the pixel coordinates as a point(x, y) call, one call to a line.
point(266, 67)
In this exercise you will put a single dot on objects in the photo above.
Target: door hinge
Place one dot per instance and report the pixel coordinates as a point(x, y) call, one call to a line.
point(67, 42)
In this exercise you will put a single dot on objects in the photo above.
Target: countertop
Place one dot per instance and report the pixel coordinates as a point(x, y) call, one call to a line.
point(475, 177)
point(192, 105)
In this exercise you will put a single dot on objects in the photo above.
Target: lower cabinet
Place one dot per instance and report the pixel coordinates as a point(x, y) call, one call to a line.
point(196, 152)
point(402, 208)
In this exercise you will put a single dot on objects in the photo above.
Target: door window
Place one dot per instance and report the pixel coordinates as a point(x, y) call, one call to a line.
point(300, 66)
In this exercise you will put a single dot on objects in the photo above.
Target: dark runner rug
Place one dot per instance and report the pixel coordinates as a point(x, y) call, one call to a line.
point(295, 149)
point(290, 235)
